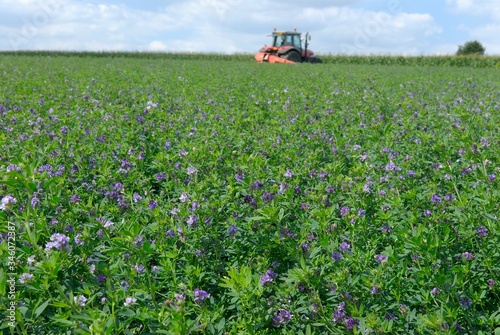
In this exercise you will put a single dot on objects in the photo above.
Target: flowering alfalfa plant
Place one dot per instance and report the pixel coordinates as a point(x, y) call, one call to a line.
point(187, 197)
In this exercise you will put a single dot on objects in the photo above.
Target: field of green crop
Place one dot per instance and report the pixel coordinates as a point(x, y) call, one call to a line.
point(157, 195)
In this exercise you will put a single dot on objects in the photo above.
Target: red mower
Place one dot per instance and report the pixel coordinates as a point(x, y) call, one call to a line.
point(287, 48)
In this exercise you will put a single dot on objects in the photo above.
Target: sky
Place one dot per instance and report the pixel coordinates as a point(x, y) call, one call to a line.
point(398, 27)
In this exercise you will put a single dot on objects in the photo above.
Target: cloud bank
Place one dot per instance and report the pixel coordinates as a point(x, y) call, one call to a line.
point(229, 26)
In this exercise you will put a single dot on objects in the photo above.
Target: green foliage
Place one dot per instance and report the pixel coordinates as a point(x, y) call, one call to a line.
point(388, 60)
point(474, 48)
point(207, 196)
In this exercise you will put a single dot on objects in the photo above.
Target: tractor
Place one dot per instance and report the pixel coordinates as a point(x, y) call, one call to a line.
point(287, 48)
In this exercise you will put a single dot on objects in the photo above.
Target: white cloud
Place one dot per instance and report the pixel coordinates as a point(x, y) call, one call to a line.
point(476, 7)
point(157, 46)
point(487, 31)
point(214, 25)
point(488, 36)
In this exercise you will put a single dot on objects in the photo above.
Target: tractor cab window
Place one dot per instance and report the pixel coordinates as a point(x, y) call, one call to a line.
point(278, 40)
point(296, 42)
point(288, 40)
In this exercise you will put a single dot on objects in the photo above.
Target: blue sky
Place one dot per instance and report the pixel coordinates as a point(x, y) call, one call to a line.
point(403, 27)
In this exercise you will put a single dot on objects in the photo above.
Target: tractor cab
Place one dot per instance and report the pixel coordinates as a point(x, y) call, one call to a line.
point(281, 39)
point(287, 47)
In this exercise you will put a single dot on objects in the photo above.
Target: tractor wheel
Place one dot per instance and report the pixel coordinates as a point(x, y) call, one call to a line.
point(315, 60)
point(293, 56)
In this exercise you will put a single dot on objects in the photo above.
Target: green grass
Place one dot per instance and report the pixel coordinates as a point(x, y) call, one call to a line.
point(442, 61)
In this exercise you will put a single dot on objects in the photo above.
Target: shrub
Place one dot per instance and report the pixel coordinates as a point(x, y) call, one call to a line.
point(471, 48)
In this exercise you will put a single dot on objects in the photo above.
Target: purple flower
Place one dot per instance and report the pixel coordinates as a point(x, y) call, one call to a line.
point(435, 199)
point(267, 197)
point(449, 197)
point(258, 184)
point(200, 296)
point(484, 142)
point(350, 323)
point(392, 167)
point(375, 289)
point(281, 318)
point(283, 188)
point(31, 260)
point(191, 170)
point(138, 241)
point(35, 201)
point(239, 177)
point(80, 300)
point(386, 229)
point(268, 277)
point(481, 232)
point(170, 233)
point(136, 197)
point(339, 313)
point(427, 212)
point(25, 278)
point(492, 177)
point(192, 221)
point(107, 223)
point(175, 211)
point(129, 301)
point(160, 176)
point(184, 197)
point(411, 173)
point(13, 167)
point(381, 258)
point(288, 173)
point(101, 278)
point(232, 230)
point(7, 202)
point(435, 291)
point(139, 268)
point(344, 210)
point(367, 187)
point(152, 204)
point(491, 283)
point(390, 316)
point(465, 302)
point(58, 241)
point(468, 256)
point(78, 241)
point(336, 256)
point(344, 247)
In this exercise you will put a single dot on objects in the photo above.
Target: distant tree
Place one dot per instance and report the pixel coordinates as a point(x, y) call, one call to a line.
point(471, 48)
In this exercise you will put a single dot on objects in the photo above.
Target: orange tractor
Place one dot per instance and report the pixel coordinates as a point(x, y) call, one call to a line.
point(287, 48)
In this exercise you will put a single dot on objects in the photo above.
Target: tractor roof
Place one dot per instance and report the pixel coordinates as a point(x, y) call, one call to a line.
point(279, 33)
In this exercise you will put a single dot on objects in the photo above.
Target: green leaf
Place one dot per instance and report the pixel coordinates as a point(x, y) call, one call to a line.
point(41, 308)
point(221, 324)
point(3, 282)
